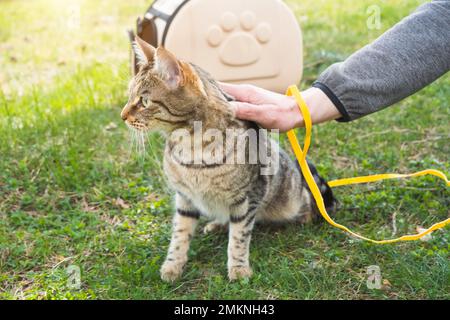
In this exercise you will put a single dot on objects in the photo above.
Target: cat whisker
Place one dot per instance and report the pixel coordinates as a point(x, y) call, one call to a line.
point(138, 137)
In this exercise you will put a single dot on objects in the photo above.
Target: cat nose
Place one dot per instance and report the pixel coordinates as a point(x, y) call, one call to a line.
point(124, 113)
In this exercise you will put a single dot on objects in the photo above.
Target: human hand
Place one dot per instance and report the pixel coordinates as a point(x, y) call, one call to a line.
point(276, 111)
point(269, 109)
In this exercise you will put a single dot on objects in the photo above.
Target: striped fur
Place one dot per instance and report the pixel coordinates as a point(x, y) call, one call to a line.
point(230, 195)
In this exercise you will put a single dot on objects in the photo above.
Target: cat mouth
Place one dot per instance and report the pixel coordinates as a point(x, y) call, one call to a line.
point(135, 125)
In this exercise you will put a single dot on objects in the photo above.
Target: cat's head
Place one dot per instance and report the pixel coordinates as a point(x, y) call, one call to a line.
point(165, 94)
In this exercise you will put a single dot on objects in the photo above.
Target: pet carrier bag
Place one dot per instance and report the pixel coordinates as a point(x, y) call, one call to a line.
point(238, 41)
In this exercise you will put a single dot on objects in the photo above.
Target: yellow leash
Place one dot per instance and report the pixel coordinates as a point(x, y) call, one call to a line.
point(301, 158)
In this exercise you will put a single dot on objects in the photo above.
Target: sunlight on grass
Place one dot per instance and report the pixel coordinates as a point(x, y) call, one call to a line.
point(47, 38)
point(72, 191)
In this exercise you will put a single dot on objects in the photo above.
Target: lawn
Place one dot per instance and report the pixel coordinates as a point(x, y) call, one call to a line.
point(74, 191)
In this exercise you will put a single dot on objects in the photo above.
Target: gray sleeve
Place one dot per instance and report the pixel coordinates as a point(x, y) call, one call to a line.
point(406, 58)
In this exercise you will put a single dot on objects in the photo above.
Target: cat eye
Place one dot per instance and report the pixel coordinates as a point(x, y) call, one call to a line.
point(146, 102)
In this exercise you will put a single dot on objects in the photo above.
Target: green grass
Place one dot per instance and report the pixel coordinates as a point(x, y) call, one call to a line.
point(63, 166)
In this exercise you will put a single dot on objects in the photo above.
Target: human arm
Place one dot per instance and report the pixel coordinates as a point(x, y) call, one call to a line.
point(411, 55)
point(403, 60)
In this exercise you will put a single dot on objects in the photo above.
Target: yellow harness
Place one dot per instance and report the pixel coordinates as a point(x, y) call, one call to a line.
point(301, 158)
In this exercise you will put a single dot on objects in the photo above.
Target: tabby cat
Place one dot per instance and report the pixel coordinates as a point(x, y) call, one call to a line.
point(167, 95)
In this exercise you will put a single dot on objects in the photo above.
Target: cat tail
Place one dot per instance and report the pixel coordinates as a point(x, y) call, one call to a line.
point(331, 204)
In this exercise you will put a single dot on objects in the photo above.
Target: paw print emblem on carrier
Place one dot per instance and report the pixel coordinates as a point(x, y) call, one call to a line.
point(239, 32)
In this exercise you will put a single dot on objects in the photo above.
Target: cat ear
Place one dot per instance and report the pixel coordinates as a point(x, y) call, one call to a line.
point(168, 67)
point(145, 53)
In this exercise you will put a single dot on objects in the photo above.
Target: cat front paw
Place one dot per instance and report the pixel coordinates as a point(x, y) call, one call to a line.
point(239, 272)
point(171, 271)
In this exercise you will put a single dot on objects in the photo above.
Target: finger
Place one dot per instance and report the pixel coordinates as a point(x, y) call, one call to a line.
point(247, 111)
point(240, 92)
point(252, 94)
